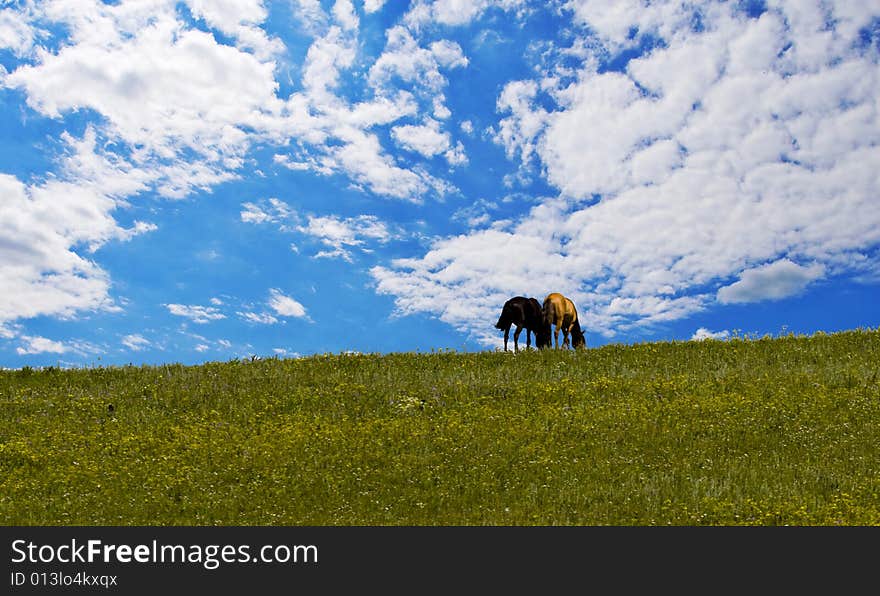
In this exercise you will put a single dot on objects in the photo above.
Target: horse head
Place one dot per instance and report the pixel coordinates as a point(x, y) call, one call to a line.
point(577, 337)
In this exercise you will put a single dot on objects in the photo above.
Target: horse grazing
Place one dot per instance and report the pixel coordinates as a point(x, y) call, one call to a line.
point(561, 313)
point(524, 313)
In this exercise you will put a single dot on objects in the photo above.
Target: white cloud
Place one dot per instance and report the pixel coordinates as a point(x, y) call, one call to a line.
point(363, 158)
point(287, 353)
point(285, 306)
point(345, 15)
point(727, 146)
point(9, 331)
point(272, 211)
point(311, 14)
point(129, 62)
point(341, 235)
point(16, 33)
point(191, 92)
point(200, 104)
point(136, 342)
point(448, 54)
point(770, 282)
point(425, 139)
point(371, 6)
point(454, 12)
point(239, 19)
point(41, 345)
point(174, 109)
point(198, 314)
point(404, 60)
point(518, 133)
point(478, 213)
point(263, 318)
point(40, 270)
point(464, 280)
point(139, 227)
point(742, 142)
point(318, 114)
point(703, 333)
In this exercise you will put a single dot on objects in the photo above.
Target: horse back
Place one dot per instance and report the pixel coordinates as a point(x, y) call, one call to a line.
point(552, 308)
point(513, 312)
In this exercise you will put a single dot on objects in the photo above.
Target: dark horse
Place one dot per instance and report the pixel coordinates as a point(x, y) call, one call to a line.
point(560, 312)
point(524, 313)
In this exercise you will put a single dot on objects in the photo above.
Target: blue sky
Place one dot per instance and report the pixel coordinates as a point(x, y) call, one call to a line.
point(209, 180)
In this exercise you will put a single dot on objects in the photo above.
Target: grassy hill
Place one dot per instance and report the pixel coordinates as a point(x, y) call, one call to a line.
point(744, 431)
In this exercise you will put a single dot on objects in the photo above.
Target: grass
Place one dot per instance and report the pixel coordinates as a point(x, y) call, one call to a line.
point(745, 431)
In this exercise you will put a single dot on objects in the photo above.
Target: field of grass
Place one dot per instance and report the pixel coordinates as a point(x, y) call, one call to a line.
point(745, 431)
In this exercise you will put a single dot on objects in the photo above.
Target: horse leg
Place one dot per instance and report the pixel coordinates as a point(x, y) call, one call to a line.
point(506, 333)
point(565, 342)
point(516, 338)
point(529, 337)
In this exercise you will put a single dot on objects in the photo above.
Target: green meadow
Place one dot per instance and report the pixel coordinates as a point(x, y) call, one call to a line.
point(747, 431)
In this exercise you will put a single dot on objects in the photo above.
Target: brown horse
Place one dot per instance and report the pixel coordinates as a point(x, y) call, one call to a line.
point(561, 313)
point(524, 313)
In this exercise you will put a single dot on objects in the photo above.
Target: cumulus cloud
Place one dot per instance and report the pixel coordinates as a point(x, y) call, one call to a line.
point(320, 113)
point(405, 61)
point(426, 139)
point(737, 146)
point(191, 92)
point(239, 19)
point(703, 333)
point(476, 214)
point(40, 270)
point(285, 306)
point(770, 282)
point(127, 62)
point(136, 342)
point(454, 12)
point(41, 345)
point(340, 235)
point(345, 15)
point(16, 33)
point(171, 109)
point(272, 211)
point(518, 132)
point(736, 141)
point(197, 314)
point(371, 6)
point(464, 280)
